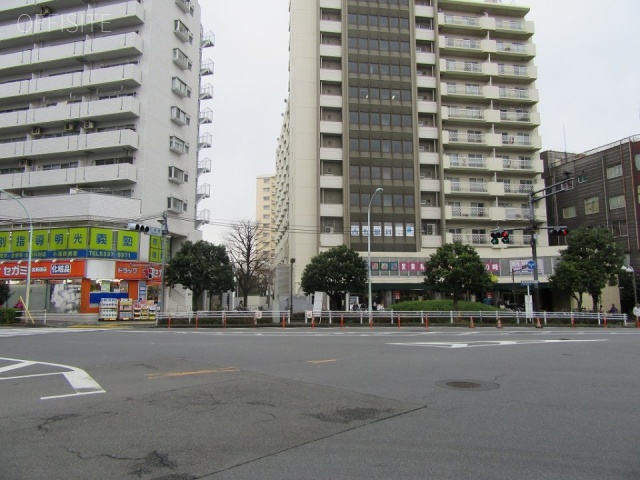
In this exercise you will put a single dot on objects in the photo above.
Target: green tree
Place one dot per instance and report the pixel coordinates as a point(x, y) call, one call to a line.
point(336, 272)
point(591, 261)
point(200, 266)
point(456, 269)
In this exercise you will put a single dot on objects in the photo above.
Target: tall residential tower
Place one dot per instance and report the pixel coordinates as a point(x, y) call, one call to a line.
point(99, 126)
point(434, 101)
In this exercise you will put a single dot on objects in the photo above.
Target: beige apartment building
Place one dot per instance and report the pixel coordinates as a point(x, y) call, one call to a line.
point(265, 209)
point(432, 101)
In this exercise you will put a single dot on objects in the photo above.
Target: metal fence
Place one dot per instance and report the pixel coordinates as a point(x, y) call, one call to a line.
point(388, 318)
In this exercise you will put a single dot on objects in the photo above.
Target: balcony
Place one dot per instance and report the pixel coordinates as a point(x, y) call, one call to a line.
point(182, 32)
point(125, 75)
point(206, 92)
point(330, 127)
point(204, 166)
point(471, 139)
point(208, 40)
point(206, 68)
point(334, 51)
point(518, 51)
point(112, 109)
point(454, 90)
point(331, 210)
point(468, 213)
point(179, 116)
point(474, 188)
point(515, 73)
point(468, 70)
point(104, 175)
point(466, 116)
point(203, 217)
point(204, 191)
point(32, 29)
point(69, 54)
point(516, 29)
point(429, 185)
point(205, 141)
point(334, 101)
point(70, 145)
point(330, 75)
point(465, 162)
point(331, 26)
point(185, 5)
point(205, 116)
point(520, 141)
point(521, 118)
point(515, 165)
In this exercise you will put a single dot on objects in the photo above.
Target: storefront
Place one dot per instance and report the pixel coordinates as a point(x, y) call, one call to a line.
point(73, 268)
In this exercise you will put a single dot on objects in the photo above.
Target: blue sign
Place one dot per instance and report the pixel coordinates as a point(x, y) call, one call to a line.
point(531, 264)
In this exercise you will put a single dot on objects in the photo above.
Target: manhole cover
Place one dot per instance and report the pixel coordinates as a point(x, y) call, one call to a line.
point(463, 385)
point(476, 385)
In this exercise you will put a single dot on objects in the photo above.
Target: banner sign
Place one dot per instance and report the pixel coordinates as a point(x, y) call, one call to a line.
point(43, 269)
point(80, 242)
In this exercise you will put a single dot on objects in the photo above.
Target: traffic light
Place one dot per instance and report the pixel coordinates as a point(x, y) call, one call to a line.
point(496, 235)
point(505, 236)
point(559, 231)
point(138, 227)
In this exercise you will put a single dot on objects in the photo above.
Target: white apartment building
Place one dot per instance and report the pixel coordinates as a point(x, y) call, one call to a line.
point(434, 101)
point(101, 104)
point(265, 209)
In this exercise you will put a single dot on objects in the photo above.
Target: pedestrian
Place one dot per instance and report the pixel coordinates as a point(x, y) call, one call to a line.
point(613, 308)
point(636, 313)
point(19, 308)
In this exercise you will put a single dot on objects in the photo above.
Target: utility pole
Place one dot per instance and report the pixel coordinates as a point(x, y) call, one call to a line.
point(533, 228)
point(165, 231)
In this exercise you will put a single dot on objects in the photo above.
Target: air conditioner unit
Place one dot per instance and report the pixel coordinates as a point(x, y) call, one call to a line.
point(89, 125)
point(431, 229)
point(328, 230)
point(36, 131)
point(69, 127)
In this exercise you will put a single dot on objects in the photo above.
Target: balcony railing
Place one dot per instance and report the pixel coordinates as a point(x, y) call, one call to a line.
point(517, 214)
point(519, 188)
point(514, 70)
point(505, 92)
point(518, 164)
point(462, 43)
point(464, 161)
point(469, 187)
point(464, 89)
point(515, 116)
point(462, 20)
point(511, 47)
point(517, 140)
point(471, 212)
point(455, 112)
point(456, 137)
point(510, 25)
point(472, 67)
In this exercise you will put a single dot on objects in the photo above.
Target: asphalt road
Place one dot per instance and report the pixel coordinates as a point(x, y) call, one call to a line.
point(356, 403)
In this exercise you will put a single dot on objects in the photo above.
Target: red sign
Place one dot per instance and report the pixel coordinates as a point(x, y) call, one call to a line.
point(137, 271)
point(44, 269)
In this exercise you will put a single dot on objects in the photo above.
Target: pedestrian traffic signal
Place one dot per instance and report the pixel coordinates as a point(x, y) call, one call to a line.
point(138, 227)
point(559, 231)
point(505, 236)
point(496, 235)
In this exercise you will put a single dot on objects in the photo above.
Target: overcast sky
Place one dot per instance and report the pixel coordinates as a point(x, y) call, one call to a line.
point(587, 60)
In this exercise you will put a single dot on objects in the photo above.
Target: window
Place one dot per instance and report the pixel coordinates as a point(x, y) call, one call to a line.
point(614, 171)
point(569, 212)
point(591, 206)
point(616, 202)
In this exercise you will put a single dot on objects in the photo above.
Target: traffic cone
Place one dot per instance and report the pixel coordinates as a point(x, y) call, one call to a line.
point(471, 324)
point(499, 324)
point(538, 325)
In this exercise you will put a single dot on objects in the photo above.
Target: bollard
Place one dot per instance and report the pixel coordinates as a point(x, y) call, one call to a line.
point(313, 322)
point(426, 321)
point(284, 322)
point(255, 320)
point(398, 321)
point(169, 323)
point(370, 321)
point(573, 322)
point(196, 321)
point(342, 320)
point(224, 320)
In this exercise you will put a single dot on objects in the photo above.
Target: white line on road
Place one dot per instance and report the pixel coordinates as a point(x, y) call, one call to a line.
point(489, 343)
point(78, 379)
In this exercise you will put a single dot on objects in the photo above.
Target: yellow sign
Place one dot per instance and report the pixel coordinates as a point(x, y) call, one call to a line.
point(5, 244)
point(101, 239)
point(155, 249)
point(128, 241)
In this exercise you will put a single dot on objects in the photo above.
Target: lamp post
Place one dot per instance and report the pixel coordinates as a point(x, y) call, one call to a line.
point(291, 262)
point(533, 228)
point(26, 298)
point(378, 190)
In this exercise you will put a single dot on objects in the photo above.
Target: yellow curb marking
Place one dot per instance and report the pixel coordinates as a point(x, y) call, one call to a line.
point(152, 376)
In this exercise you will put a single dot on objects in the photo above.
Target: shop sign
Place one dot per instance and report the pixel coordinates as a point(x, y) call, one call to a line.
point(43, 269)
point(136, 271)
point(79, 242)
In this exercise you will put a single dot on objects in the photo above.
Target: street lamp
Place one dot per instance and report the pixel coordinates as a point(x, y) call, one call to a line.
point(291, 262)
point(26, 299)
point(378, 190)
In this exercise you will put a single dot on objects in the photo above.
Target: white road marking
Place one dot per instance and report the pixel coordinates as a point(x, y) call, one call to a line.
point(489, 343)
point(78, 379)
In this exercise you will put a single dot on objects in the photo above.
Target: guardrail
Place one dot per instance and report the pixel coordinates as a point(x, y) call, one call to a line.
point(498, 318)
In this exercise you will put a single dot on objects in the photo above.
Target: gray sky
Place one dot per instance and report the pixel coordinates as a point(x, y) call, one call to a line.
point(587, 79)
